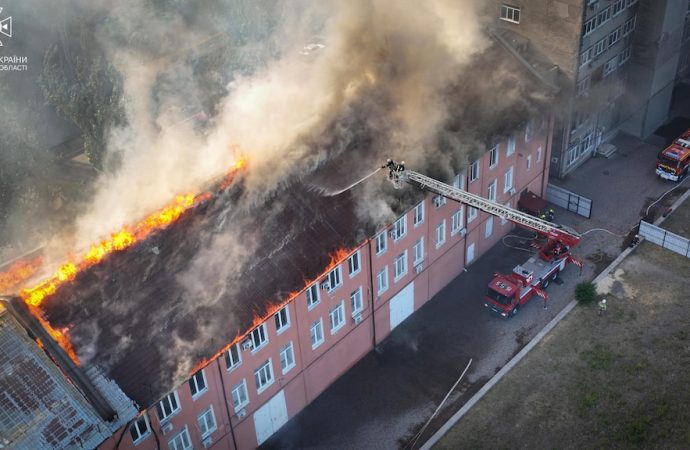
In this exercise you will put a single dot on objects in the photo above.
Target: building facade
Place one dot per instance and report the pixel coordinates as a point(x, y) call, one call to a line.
point(618, 62)
point(241, 398)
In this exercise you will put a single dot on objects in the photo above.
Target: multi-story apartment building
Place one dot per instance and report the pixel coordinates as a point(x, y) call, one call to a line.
point(617, 62)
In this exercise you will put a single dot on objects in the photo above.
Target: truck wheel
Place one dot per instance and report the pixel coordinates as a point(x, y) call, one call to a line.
point(545, 283)
point(515, 310)
point(555, 275)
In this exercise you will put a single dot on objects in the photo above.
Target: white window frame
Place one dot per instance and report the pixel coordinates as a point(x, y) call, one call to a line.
point(582, 87)
point(270, 377)
point(282, 323)
point(572, 155)
point(625, 55)
point(203, 422)
point(259, 337)
point(617, 7)
point(474, 171)
point(470, 252)
point(508, 180)
point(489, 227)
point(629, 25)
point(175, 444)
point(194, 384)
point(510, 13)
point(614, 36)
point(334, 278)
point(539, 151)
point(418, 250)
point(491, 191)
point(316, 334)
point(135, 426)
point(381, 242)
point(382, 280)
point(161, 407)
point(529, 162)
point(354, 263)
point(439, 201)
point(493, 156)
point(610, 66)
point(441, 233)
point(456, 224)
point(586, 56)
point(503, 219)
point(399, 228)
point(313, 296)
point(240, 395)
point(287, 358)
point(459, 181)
point(229, 359)
point(400, 266)
point(600, 46)
point(357, 301)
point(472, 214)
point(336, 317)
point(511, 145)
point(589, 26)
point(604, 16)
point(418, 214)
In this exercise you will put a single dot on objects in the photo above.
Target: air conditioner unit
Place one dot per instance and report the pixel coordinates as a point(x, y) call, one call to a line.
point(326, 285)
point(207, 442)
point(462, 232)
point(166, 427)
point(247, 344)
point(418, 268)
point(357, 318)
point(512, 191)
point(241, 413)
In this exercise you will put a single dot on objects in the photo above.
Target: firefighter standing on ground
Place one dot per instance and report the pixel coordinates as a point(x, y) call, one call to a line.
point(602, 306)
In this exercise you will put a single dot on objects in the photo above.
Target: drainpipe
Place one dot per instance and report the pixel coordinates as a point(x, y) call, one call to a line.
point(371, 296)
point(225, 397)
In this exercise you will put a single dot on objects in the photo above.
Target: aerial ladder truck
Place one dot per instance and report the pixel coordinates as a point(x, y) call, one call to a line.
point(506, 294)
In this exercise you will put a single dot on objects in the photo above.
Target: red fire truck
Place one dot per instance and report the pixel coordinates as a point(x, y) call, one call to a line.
point(674, 161)
point(506, 294)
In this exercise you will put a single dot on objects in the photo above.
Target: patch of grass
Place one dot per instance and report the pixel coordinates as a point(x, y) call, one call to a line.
point(636, 431)
point(598, 357)
point(588, 400)
point(636, 367)
point(586, 292)
point(681, 335)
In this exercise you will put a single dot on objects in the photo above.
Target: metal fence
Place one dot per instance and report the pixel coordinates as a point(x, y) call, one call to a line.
point(665, 239)
point(569, 200)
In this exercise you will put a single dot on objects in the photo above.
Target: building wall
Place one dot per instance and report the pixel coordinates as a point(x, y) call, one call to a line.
point(316, 367)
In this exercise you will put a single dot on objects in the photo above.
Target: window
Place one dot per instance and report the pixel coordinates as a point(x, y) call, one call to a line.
point(470, 254)
point(381, 242)
point(491, 193)
point(572, 155)
point(287, 358)
point(582, 88)
point(629, 25)
point(418, 250)
point(232, 357)
point(282, 318)
point(589, 26)
point(197, 384)
point(419, 213)
point(168, 406)
point(586, 144)
point(356, 301)
point(316, 333)
point(312, 295)
point(615, 36)
point(353, 263)
point(599, 47)
point(510, 148)
point(624, 56)
point(207, 422)
point(263, 376)
point(459, 181)
point(539, 150)
point(585, 56)
point(337, 317)
point(399, 228)
point(456, 221)
point(334, 279)
point(471, 214)
point(441, 233)
point(510, 14)
point(493, 156)
point(603, 16)
point(140, 428)
point(474, 171)
point(382, 280)
point(488, 231)
point(181, 441)
point(529, 130)
point(508, 180)
point(617, 7)
point(259, 337)
point(611, 66)
point(439, 201)
point(240, 399)
point(529, 161)
point(400, 266)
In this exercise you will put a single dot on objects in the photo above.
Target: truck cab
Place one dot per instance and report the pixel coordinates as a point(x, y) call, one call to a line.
point(673, 162)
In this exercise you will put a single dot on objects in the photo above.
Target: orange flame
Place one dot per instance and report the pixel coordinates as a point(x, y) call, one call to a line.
point(18, 272)
point(336, 258)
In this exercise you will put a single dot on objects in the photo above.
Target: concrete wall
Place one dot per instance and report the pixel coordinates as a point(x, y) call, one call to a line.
point(315, 369)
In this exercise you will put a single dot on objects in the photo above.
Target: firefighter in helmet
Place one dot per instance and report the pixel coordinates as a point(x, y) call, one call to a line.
point(602, 306)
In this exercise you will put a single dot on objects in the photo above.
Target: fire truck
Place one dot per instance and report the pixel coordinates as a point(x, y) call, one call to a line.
point(674, 161)
point(507, 293)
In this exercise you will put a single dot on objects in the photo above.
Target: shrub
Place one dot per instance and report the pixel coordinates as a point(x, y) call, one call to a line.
point(586, 292)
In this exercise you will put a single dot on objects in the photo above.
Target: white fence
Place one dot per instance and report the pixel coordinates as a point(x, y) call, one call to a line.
point(665, 239)
point(569, 200)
